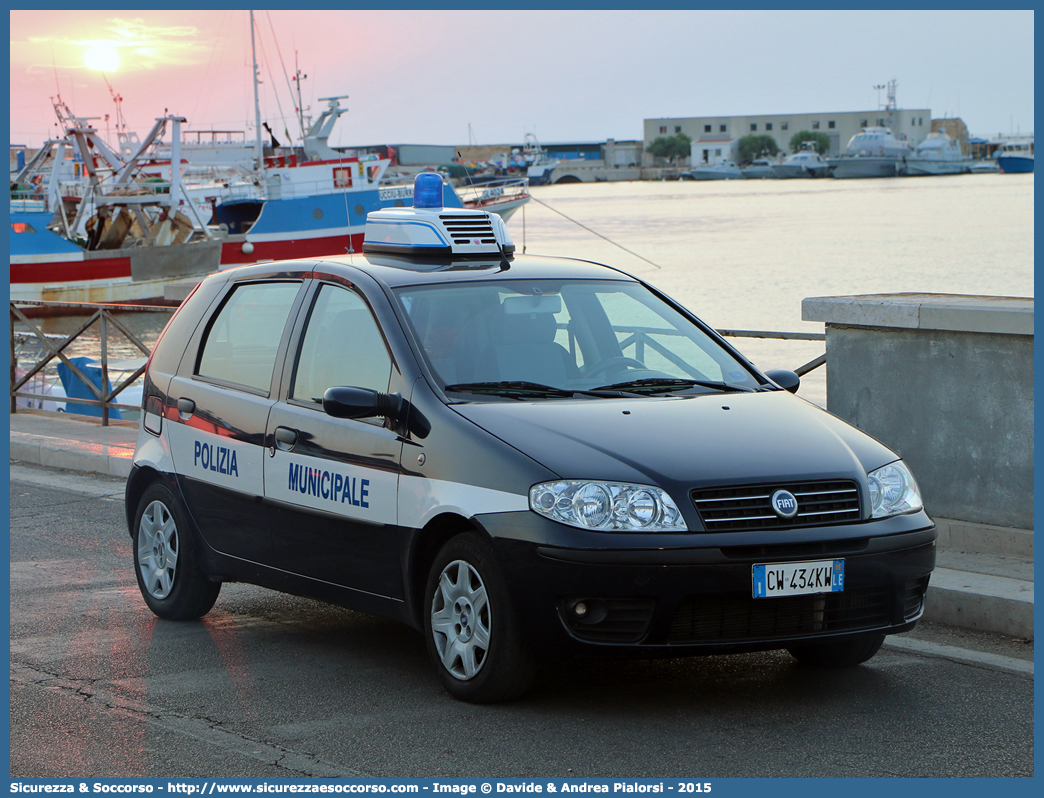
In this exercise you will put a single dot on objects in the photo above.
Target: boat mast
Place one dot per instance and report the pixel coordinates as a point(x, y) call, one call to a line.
point(258, 149)
point(297, 78)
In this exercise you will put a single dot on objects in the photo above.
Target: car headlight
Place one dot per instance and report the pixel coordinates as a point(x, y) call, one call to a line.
point(609, 506)
point(893, 491)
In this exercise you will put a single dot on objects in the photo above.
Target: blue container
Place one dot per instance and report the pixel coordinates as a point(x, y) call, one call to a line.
point(75, 387)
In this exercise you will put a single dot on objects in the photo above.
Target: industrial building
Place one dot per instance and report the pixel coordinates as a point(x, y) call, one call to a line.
point(716, 138)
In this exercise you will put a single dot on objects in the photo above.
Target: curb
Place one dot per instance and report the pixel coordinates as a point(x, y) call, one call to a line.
point(980, 601)
point(111, 459)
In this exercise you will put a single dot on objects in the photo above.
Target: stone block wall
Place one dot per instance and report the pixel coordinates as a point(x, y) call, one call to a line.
point(947, 382)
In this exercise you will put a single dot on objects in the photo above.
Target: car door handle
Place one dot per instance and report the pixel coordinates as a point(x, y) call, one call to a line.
point(286, 438)
point(186, 407)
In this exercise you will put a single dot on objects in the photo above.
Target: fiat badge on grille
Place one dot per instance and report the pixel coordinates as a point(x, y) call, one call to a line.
point(784, 504)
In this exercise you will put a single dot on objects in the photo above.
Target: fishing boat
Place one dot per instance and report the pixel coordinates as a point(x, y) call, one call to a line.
point(317, 205)
point(306, 207)
point(937, 155)
point(120, 231)
point(119, 239)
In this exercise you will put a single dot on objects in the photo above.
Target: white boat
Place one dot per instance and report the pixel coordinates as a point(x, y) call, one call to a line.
point(804, 163)
point(875, 152)
point(758, 170)
point(984, 166)
point(535, 160)
point(937, 155)
point(502, 196)
point(726, 170)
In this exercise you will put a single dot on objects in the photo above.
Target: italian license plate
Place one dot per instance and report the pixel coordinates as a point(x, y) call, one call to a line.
point(798, 578)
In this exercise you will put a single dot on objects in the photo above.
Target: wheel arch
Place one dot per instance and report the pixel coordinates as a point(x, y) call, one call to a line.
point(426, 545)
point(139, 480)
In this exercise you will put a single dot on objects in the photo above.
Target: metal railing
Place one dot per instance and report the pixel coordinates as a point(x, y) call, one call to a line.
point(641, 337)
point(54, 347)
point(801, 371)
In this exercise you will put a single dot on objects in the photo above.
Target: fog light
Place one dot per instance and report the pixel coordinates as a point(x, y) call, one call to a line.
point(580, 609)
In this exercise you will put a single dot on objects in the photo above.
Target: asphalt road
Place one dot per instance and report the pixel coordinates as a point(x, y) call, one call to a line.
point(275, 686)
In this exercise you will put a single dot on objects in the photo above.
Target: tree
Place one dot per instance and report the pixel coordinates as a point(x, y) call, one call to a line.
point(670, 147)
point(755, 146)
point(821, 141)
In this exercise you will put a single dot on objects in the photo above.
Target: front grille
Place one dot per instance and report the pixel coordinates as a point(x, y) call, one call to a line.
point(737, 509)
point(466, 229)
point(610, 620)
point(913, 602)
point(733, 619)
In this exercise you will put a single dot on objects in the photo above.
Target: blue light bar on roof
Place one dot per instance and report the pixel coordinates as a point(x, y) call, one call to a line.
point(427, 190)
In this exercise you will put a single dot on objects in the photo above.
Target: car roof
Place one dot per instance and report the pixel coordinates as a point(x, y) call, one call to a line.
point(395, 271)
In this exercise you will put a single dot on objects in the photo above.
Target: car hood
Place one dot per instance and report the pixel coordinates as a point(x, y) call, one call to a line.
point(684, 442)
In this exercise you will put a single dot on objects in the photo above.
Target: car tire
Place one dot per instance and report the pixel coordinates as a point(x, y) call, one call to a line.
point(469, 624)
point(839, 653)
point(169, 577)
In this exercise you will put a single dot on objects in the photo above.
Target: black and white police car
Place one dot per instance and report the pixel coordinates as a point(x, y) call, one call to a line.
point(517, 455)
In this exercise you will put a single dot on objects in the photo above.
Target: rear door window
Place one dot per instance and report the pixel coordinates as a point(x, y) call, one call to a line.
point(243, 340)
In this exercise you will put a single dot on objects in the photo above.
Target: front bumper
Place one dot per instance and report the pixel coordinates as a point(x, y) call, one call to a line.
point(680, 599)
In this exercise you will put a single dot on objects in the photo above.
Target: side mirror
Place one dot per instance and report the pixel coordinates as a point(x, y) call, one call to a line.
point(347, 402)
point(360, 403)
point(787, 380)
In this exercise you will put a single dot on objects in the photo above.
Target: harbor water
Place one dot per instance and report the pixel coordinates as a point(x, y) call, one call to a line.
point(742, 254)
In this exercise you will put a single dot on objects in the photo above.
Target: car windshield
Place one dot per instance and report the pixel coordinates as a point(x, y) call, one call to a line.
point(524, 339)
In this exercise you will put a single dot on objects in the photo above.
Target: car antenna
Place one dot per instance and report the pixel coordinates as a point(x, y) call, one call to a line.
point(350, 249)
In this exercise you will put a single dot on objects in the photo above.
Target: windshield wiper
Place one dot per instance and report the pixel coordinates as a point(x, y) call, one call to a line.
point(667, 384)
point(520, 388)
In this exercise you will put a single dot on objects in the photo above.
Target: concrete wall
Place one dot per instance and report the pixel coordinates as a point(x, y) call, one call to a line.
point(591, 172)
point(947, 382)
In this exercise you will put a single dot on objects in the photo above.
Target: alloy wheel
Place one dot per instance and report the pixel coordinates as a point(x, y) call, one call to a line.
point(158, 549)
point(460, 621)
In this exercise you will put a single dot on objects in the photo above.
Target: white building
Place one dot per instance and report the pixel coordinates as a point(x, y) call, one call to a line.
point(716, 138)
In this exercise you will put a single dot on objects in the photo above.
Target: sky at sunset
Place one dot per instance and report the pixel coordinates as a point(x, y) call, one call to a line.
point(424, 77)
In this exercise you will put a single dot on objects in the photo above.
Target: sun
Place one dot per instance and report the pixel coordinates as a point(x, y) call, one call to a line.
point(101, 57)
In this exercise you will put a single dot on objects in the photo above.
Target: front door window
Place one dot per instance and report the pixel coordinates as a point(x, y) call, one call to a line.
point(342, 346)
